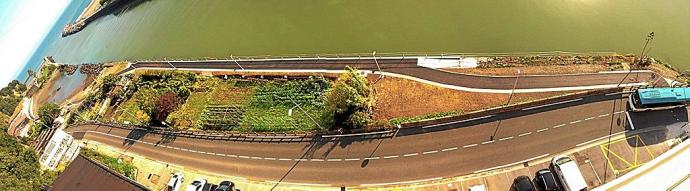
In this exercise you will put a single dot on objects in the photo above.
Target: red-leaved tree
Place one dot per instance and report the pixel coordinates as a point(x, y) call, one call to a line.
point(166, 104)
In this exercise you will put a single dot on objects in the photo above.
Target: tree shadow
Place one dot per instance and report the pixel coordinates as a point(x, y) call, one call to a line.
point(134, 135)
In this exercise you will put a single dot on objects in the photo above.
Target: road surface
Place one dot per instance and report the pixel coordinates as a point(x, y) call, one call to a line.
point(414, 154)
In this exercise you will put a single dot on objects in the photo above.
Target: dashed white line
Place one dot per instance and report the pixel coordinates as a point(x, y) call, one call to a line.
point(352, 159)
point(541, 130)
point(467, 146)
point(429, 152)
point(257, 158)
point(301, 160)
point(390, 157)
point(233, 156)
point(590, 118)
point(557, 126)
point(283, 159)
point(410, 154)
point(487, 142)
point(603, 115)
point(573, 122)
point(449, 149)
point(371, 158)
point(269, 158)
point(524, 134)
point(335, 160)
point(317, 160)
point(505, 138)
point(244, 157)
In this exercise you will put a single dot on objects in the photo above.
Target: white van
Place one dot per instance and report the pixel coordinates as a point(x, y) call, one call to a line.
point(567, 171)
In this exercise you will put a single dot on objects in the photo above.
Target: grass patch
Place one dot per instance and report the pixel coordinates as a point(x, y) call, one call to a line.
point(188, 114)
point(401, 120)
point(122, 167)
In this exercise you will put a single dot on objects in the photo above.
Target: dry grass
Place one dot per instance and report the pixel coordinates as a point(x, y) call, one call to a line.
point(534, 70)
point(398, 98)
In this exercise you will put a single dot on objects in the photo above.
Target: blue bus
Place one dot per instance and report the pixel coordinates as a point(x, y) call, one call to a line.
point(649, 99)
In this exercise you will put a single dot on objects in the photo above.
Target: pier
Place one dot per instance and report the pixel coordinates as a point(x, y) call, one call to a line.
point(109, 8)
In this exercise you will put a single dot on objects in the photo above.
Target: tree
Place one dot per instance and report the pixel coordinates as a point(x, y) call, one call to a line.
point(166, 104)
point(349, 102)
point(19, 169)
point(47, 114)
point(4, 122)
point(146, 100)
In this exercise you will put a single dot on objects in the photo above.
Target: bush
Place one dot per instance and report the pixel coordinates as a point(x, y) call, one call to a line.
point(349, 102)
point(124, 168)
point(19, 169)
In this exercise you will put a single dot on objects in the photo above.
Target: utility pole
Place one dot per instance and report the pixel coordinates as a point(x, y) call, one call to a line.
point(510, 97)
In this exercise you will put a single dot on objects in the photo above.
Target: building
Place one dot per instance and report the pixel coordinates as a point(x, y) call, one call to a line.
point(60, 148)
point(86, 174)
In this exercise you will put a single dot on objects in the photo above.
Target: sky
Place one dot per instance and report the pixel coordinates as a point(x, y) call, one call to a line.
point(23, 26)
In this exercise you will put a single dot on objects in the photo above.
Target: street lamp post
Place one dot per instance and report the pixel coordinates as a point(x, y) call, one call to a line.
point(510, 97)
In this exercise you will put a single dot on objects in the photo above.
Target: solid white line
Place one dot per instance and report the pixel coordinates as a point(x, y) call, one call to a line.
point(557, 126)
point(551, 104)
point(390, 157)
point(511, 164)
point(524, 134)
point(411, 154)
point(454, 122)
point(487, 142)
point(506, 138)
point(430, 152)
point(449, 149)
point(597, 139)
point(630, 120)
point(540, 130)
point(358, 134)
point(472, 145)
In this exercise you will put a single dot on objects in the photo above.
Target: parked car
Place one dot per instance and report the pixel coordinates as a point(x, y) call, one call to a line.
point(568, 173)
point(523, 183)
point(226, 186)
point(197, 185)
point(546, 180)
point(175, 182)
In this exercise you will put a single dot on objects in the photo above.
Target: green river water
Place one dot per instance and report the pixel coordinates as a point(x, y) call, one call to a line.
point(217, 28)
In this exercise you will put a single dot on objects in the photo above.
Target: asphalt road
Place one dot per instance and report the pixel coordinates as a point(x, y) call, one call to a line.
point(416, 154)
point(409, 67)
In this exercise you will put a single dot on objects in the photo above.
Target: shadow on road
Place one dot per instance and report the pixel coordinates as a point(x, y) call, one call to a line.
point(655, 127)
point(134, 136)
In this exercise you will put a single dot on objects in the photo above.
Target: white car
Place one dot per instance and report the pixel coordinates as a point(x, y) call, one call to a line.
point(567, 171)
point(196, 185)
point(175, 182)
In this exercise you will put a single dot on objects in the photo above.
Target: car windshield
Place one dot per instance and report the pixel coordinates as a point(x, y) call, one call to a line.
point(563, 160)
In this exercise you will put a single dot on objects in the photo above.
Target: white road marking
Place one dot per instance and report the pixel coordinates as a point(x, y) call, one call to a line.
point(233, 156)
point(410, 154)
point(511, 164)
point(317, 160)
point(573, 122)
point(589, 118)
point(524, 134)
point(593, 140)
point(390, 157)
point(487, 142)
point(617, 112)
point(551, 104)
point(544, 129)
point(506, 138)
point(454, 122)
point(301, 160)
point(603, 115)
point(557, 126)
point(472, 145)
point(269, 158)
point(630, 120)
point(449, 149)
point(257, 158)
point(335, 160)
point(430, 152)
point(283, 159)
point(352, 159)
point(371, 158)
point(244, 157)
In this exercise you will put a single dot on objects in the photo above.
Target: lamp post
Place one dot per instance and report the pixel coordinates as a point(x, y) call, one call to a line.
point(510, 97)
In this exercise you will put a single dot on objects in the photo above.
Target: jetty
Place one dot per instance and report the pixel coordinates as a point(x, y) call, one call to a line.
point(110, 7)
